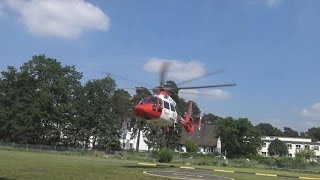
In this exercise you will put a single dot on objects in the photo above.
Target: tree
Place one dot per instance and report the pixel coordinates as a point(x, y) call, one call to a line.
point(191, 147)
point(40, 100)
point(277, 148)
point(314, 133)
point(138, 125)
point(267, 129)
point(306, 154)
point(210, 119)
point(8, 87)
point(100, 121)
point(288, 132)
point(155, 137)
point(238, 137)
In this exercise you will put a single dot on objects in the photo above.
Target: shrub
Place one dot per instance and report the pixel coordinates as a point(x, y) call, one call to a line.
point(191, 147)
point(155, 154)
point(287, 162)
point(165, 155)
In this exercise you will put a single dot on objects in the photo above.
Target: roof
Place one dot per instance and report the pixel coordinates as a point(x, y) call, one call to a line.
point(292, 142)
point(205, 137)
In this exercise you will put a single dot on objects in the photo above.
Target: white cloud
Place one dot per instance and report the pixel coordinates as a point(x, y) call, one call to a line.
point(217, 94)
point(179, 70)
point(59, 18)
point(189, 94)
point(2, 5)
point(312, 112)
point(273, 3)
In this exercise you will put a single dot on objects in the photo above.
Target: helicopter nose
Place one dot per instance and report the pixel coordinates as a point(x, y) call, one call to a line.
point(146, 111)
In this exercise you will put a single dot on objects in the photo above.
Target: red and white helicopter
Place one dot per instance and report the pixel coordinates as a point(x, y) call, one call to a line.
point(160, 109)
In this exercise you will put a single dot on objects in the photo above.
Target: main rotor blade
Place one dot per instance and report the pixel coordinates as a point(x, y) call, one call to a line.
point(200, 77)
point(130, 80)
point(202, 87)
point(163, 72)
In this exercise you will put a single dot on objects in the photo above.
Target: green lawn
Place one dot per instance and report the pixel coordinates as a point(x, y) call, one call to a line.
point(34, 165)
point(15, 164)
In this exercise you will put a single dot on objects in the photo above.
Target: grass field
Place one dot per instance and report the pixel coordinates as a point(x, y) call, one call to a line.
point(35, 165)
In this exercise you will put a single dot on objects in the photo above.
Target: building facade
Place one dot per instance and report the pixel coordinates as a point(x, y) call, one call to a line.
point(205, 139)
point(294, 145)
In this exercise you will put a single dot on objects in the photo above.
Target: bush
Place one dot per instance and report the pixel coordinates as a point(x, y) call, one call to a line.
point(165, 155)
point(287, 162)
point(155, 154)
point(266, 161)
point(191, 147)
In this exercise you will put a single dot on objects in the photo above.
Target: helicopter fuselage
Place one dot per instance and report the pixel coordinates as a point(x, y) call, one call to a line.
point(158, 110)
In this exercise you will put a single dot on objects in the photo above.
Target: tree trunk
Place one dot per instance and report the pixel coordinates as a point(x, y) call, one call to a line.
point(138, 140)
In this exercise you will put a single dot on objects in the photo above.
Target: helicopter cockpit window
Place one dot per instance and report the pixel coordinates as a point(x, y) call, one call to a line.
point(166, 105)
point(149, 100)
point(172, 108)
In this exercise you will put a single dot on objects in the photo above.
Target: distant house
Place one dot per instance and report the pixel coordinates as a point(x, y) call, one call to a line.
point(206, 139)
point(128, 140)
point(294, 145)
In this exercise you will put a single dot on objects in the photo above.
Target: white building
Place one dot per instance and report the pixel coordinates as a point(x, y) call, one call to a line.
point(129, 141)
point(294, 145)
point(206, 139)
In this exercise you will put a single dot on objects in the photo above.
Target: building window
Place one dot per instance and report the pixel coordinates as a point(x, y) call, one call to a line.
point(307, 146)
point(298, 146)
point(264, 145)
point(130, 145)
point(316, 147)
point(289, 146)
point(290, 155)
point(264, 153)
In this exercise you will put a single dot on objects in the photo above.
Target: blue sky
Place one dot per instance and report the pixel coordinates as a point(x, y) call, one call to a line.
point(270, 48)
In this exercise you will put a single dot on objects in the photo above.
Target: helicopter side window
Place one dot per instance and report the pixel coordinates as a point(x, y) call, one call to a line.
point(166, 105)
point(172, 108)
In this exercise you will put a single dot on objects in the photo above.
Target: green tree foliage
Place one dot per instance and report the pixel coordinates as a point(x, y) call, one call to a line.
point(45, 103)
point(314, 133)
point(191, 147)
point(277, 148)
point(267, 129)
point(100, 119)
point(155, 137)
point(306, 154)
point(210, 119)
point(165, 155)
point(41, 97)
point(288, 132)
point(238, 137)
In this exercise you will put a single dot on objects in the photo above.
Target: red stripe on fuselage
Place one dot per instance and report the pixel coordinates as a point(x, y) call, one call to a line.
point(147, 111)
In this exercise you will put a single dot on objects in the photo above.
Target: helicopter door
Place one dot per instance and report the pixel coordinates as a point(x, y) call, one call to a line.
point(166, 111)
point(173, 112)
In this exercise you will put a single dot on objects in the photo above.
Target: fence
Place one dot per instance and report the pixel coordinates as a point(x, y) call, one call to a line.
point(37, 147)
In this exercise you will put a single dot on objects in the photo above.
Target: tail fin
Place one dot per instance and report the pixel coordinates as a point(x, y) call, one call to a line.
point(190, 108)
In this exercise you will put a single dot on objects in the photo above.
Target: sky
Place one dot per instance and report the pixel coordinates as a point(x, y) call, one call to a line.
point(269, 48)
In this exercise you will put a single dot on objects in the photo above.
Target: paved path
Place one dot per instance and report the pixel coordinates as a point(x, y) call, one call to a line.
point(188, 174)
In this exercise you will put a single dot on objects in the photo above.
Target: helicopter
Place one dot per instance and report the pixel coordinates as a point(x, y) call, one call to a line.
point(160, 109)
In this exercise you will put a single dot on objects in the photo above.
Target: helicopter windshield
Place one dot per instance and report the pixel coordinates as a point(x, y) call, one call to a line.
point(149, 100)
